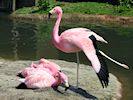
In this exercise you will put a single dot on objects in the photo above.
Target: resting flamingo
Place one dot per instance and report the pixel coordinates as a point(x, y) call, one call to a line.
point(41, 79)
point(43, 74)
point(77, 39)
point(48, 66)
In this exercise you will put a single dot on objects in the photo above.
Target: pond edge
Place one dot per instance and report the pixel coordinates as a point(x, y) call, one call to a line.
point(79, 17)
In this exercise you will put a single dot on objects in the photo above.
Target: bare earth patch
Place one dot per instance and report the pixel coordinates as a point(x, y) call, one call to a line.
point(79, 17)
point(89, 85)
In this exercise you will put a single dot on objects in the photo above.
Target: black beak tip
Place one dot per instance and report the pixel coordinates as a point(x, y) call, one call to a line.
point(49, 15)
point(66, 88)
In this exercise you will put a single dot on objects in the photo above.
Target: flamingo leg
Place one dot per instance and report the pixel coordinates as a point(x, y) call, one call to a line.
point(77, 56)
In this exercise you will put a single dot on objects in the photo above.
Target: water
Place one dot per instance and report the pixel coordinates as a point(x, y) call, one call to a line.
point(31, 40)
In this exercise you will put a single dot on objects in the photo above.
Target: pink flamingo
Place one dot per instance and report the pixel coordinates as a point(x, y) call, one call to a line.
point(44, 64)
point(50, 67)
point(49, 63)
point(77, 39)
point(30, 70)
point(32, 75)
point(41, 79)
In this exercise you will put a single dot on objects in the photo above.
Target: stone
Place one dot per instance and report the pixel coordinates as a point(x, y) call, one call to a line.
point(90, 87)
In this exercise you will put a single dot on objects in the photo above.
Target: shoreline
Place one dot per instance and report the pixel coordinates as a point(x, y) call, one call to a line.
point(80, 17)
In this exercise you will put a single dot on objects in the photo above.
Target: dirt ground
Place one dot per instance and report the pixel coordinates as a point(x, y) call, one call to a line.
point(79, 17)
point(89, 85)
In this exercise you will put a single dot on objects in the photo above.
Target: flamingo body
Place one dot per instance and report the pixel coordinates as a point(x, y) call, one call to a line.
point(50, 67)
point(54, 65)
point(39, 79)
point(44, 74)
point(67, 38)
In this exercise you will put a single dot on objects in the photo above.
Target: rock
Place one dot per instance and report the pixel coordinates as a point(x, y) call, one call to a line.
point(89, 86)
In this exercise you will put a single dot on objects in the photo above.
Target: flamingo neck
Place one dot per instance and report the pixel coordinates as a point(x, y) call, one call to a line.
point(55, 35)
point(57, 80)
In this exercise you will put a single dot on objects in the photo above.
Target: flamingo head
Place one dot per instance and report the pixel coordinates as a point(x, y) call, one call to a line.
point(64, 80)
point(61, 79)
point(56, 10)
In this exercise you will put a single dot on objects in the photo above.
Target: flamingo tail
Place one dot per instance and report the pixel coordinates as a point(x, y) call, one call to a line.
point(118, 63)
point(21, 80)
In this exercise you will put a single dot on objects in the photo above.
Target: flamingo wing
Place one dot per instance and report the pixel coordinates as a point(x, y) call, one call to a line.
point(26, 72)
point(88, 45)
point(39, 79)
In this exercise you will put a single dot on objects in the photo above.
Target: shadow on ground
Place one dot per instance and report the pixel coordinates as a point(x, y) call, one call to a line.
point(74, 89)
point(82, 92)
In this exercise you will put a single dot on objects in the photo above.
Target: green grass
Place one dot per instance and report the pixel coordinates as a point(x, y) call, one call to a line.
point(30, 10)
point(87, 8)
point(84, 8)
point(24, 10)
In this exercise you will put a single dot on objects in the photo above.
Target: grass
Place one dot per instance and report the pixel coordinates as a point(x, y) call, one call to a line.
point(83, 8)
point(87, 8)
point(29, 10)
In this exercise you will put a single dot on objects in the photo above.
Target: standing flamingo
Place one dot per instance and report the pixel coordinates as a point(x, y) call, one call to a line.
point(77, 39)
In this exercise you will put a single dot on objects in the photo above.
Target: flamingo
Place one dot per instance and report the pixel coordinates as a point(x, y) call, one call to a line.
point(76, 39)
point(49, 63)
point(41, 79)
point(43, 74)
point(48, 66)
point(44, 64)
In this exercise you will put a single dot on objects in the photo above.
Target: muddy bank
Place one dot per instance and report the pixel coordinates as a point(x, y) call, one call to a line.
point(90, 87)
point(79, 17)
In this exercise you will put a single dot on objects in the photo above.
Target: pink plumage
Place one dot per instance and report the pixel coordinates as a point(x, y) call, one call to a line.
point(50, 67)
point(43, 74)
point(26, 71)
point(57, 67)
point(39, 79)
point(77, 39)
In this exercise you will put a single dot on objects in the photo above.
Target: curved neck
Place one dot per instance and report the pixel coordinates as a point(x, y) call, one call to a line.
point(55, 35)
point(57, 80)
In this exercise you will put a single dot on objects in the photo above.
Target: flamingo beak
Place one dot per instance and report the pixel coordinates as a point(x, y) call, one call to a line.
point(66, 85)
point(66, 88)
point(49, 15)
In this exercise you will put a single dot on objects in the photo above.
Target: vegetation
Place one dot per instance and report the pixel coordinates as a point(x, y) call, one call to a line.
point(127, 3)
point(43, 6)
